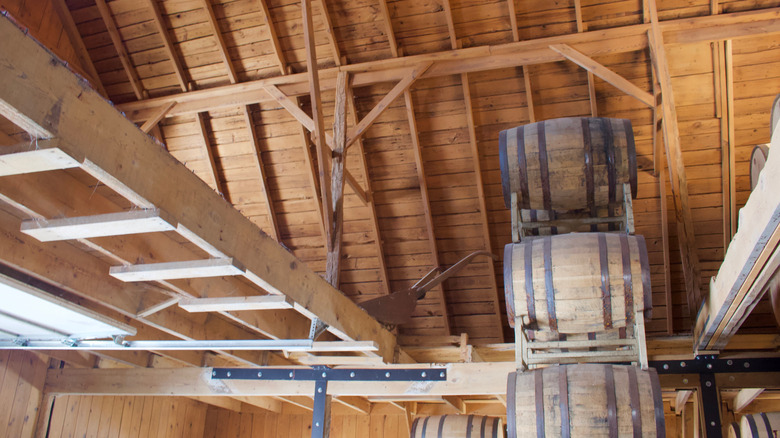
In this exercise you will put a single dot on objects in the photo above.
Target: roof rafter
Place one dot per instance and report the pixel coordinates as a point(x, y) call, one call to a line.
point(121, 50)
point(591, 83)
point(72, 31)
point(162, 29)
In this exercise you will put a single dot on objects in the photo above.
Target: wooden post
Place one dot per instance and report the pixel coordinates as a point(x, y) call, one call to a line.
point(337, 182)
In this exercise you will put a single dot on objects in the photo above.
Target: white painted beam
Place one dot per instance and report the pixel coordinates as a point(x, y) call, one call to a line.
point(29, 157)
point(235, 304)
point(88, 227)
point(177, 270)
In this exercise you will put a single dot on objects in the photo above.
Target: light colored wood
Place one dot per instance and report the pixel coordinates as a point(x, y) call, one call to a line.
point(587, 394)
point(176, 270)
point(223, 51)
point(258, 160)
point(121, 50)
point(685, 232)
point(513, 20)
point(332, 41)
point(38, 156)
point(88, 227)
point(338, 162)
point(359, 404)
point(681, 399)
point(208, 152)
point(388, 27)
point(456, 426)
point(152, 123)
point(771, 422)
point(604, 73)
point(745, 397)
point(226, 304)
point(529, 93)
point(455, 403)
point(162, 29)
point(274, 34)
point(72, 32)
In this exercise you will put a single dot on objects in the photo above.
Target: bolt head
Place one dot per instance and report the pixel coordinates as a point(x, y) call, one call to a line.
point(228, 373)
point(424, 374)
point(666, 366)
point(213, 373)
point(441, 374)
point(317, 424)
point(259, 374)
point(324, 375)
point(712, 423)
point(708, 384)
point(730, 362)
point(682, 364)
point(319, 390)
point(746, 364)
point(352, 374)
point(709, 366)
point(291, 374)
point(685, 381)
point(387, 374)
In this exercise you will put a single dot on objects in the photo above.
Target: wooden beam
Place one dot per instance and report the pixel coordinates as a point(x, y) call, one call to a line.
point(72, 32)
point(25, 158)
point(119, 46)
point(177, 270)
point(455, 402)
point(129, 157)
point(745, 397)
point(681, 399)
point(426, 205)
point(591, 81)
point(266, 403)
point(513, 20)
point(473, 59)
point(749, 264)
point(223, 50)
point(332, 41)
point(151, 123)
point(359, 404)
point(278, 51)
point(258, 161)
point(88, 227)
point(312, 72)
point(227, 304)
point(604, 73)
point(388, 22)
point(162, 29)
point(686, 235)
point(208, 154)
point(338, 161)
point(483, 378)
point(529, 94)
point(728, 144)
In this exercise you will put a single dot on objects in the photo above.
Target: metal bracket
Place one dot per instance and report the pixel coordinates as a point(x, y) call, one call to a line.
point(316, 329)
point(321, 375)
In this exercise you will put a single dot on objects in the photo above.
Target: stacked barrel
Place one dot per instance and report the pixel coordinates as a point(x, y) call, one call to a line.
point(576, 279)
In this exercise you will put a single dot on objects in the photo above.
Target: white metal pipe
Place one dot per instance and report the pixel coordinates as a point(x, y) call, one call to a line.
point(243, 344)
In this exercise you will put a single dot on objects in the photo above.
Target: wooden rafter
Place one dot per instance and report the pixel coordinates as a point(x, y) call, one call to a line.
point(464, 79)
point(162, 29)
point(208, 153)
point(223, 50)
point(152, 123)
point(119, 46)
point(685, 232)
point(333, 260)
point(604, 73)
point(473, 59)
point(332, 41)
point(312, 73)
point(385, 13)
point(108, 152)
point(591, 82)
point(258, 161)
point(278, 51)
point(529, 93)
point(72, 32)
point(727, 140)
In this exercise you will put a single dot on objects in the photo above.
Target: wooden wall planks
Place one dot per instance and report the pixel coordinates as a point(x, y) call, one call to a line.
point(22, 375)
point(169, 417)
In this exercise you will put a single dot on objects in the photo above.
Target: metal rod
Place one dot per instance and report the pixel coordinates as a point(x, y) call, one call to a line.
point(248, 344)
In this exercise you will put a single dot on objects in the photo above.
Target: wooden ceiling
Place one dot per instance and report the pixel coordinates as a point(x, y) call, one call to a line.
point(428, 166)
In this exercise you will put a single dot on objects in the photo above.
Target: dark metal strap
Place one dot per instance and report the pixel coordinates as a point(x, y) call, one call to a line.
point(511, 412)
point(628, 281)
point(469, 425)
point(609, 155)
point(539, 397)
point(658, 404)
point(503, 162)
point(769, 432)
point(589, 184)
point(753, 425)
point(548, 283)
point(631, 156)
point(495, 428)
point(482, 427)
point(636, 412)
point(609, 377)
point(524, 202)
point(440, 433)
point(529, 282)
point(425, 426)
point(544, 173)
point(414, 427)
point(563, 397)
point(606, 292)
point(647, 291)
point(509, 287)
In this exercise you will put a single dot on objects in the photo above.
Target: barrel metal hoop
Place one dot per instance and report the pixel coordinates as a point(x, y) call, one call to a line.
point(752, 424)
point(529, 282)
point(544, 172)
point(564, 401)
point(425, 426)
point(511, 407)
point(482, 427)
point(611, 402)
point(647, 292)
point(495, 428)
point(658, 404)
point(631, 156)
point(636, 412)
point(503, 162)
point(548, 283)
point(769, 431)
point(606, 293)
point(609, 155)
point(509, 289)
point(539, 396)
point(469, 424)
point(628, 283)
point(589, 184)
point(522, 168)
point(414, 427)
point(442, 419)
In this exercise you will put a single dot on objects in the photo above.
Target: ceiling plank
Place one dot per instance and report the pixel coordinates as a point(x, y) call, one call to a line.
point(472, 59)
point(72, 32)
point(121, 50)
point(223, 50)
point(162, 29)
point(686, 235)
point(388, 22)
point(604, 73)
point(119, 142)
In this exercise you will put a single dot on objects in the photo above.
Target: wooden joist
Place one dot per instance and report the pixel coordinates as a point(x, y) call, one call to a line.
point(121, 50)
point(134, 161)
point(472, 59)
point(227, 304)
point(38, 156)
point(681, 399)
point(72, 32)
point(152, 123)
point(88, 227)
point(162, 29)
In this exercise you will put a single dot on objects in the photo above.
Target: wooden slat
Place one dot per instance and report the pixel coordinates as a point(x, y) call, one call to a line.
point(176, 270)
point(591, 81)
point(40, 156)
point(332, 41)
point(88, 227)
point(152, 123)
point(681, 399)
point(604, 73)
point(388, 23)
point(359, 404)
point(529, 94)
point(258, 161)
point(208, 152)
point(223, 51)
point(685, 235)
point(228, 304)
point(278, 51)
point(121, 50)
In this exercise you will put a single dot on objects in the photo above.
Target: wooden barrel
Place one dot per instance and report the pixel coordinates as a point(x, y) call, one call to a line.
point(568, 164)
point(577, 283)
point(757, 162)
point(733, 430)
point(585, 400)
point(458, 426)
point(763, 425)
